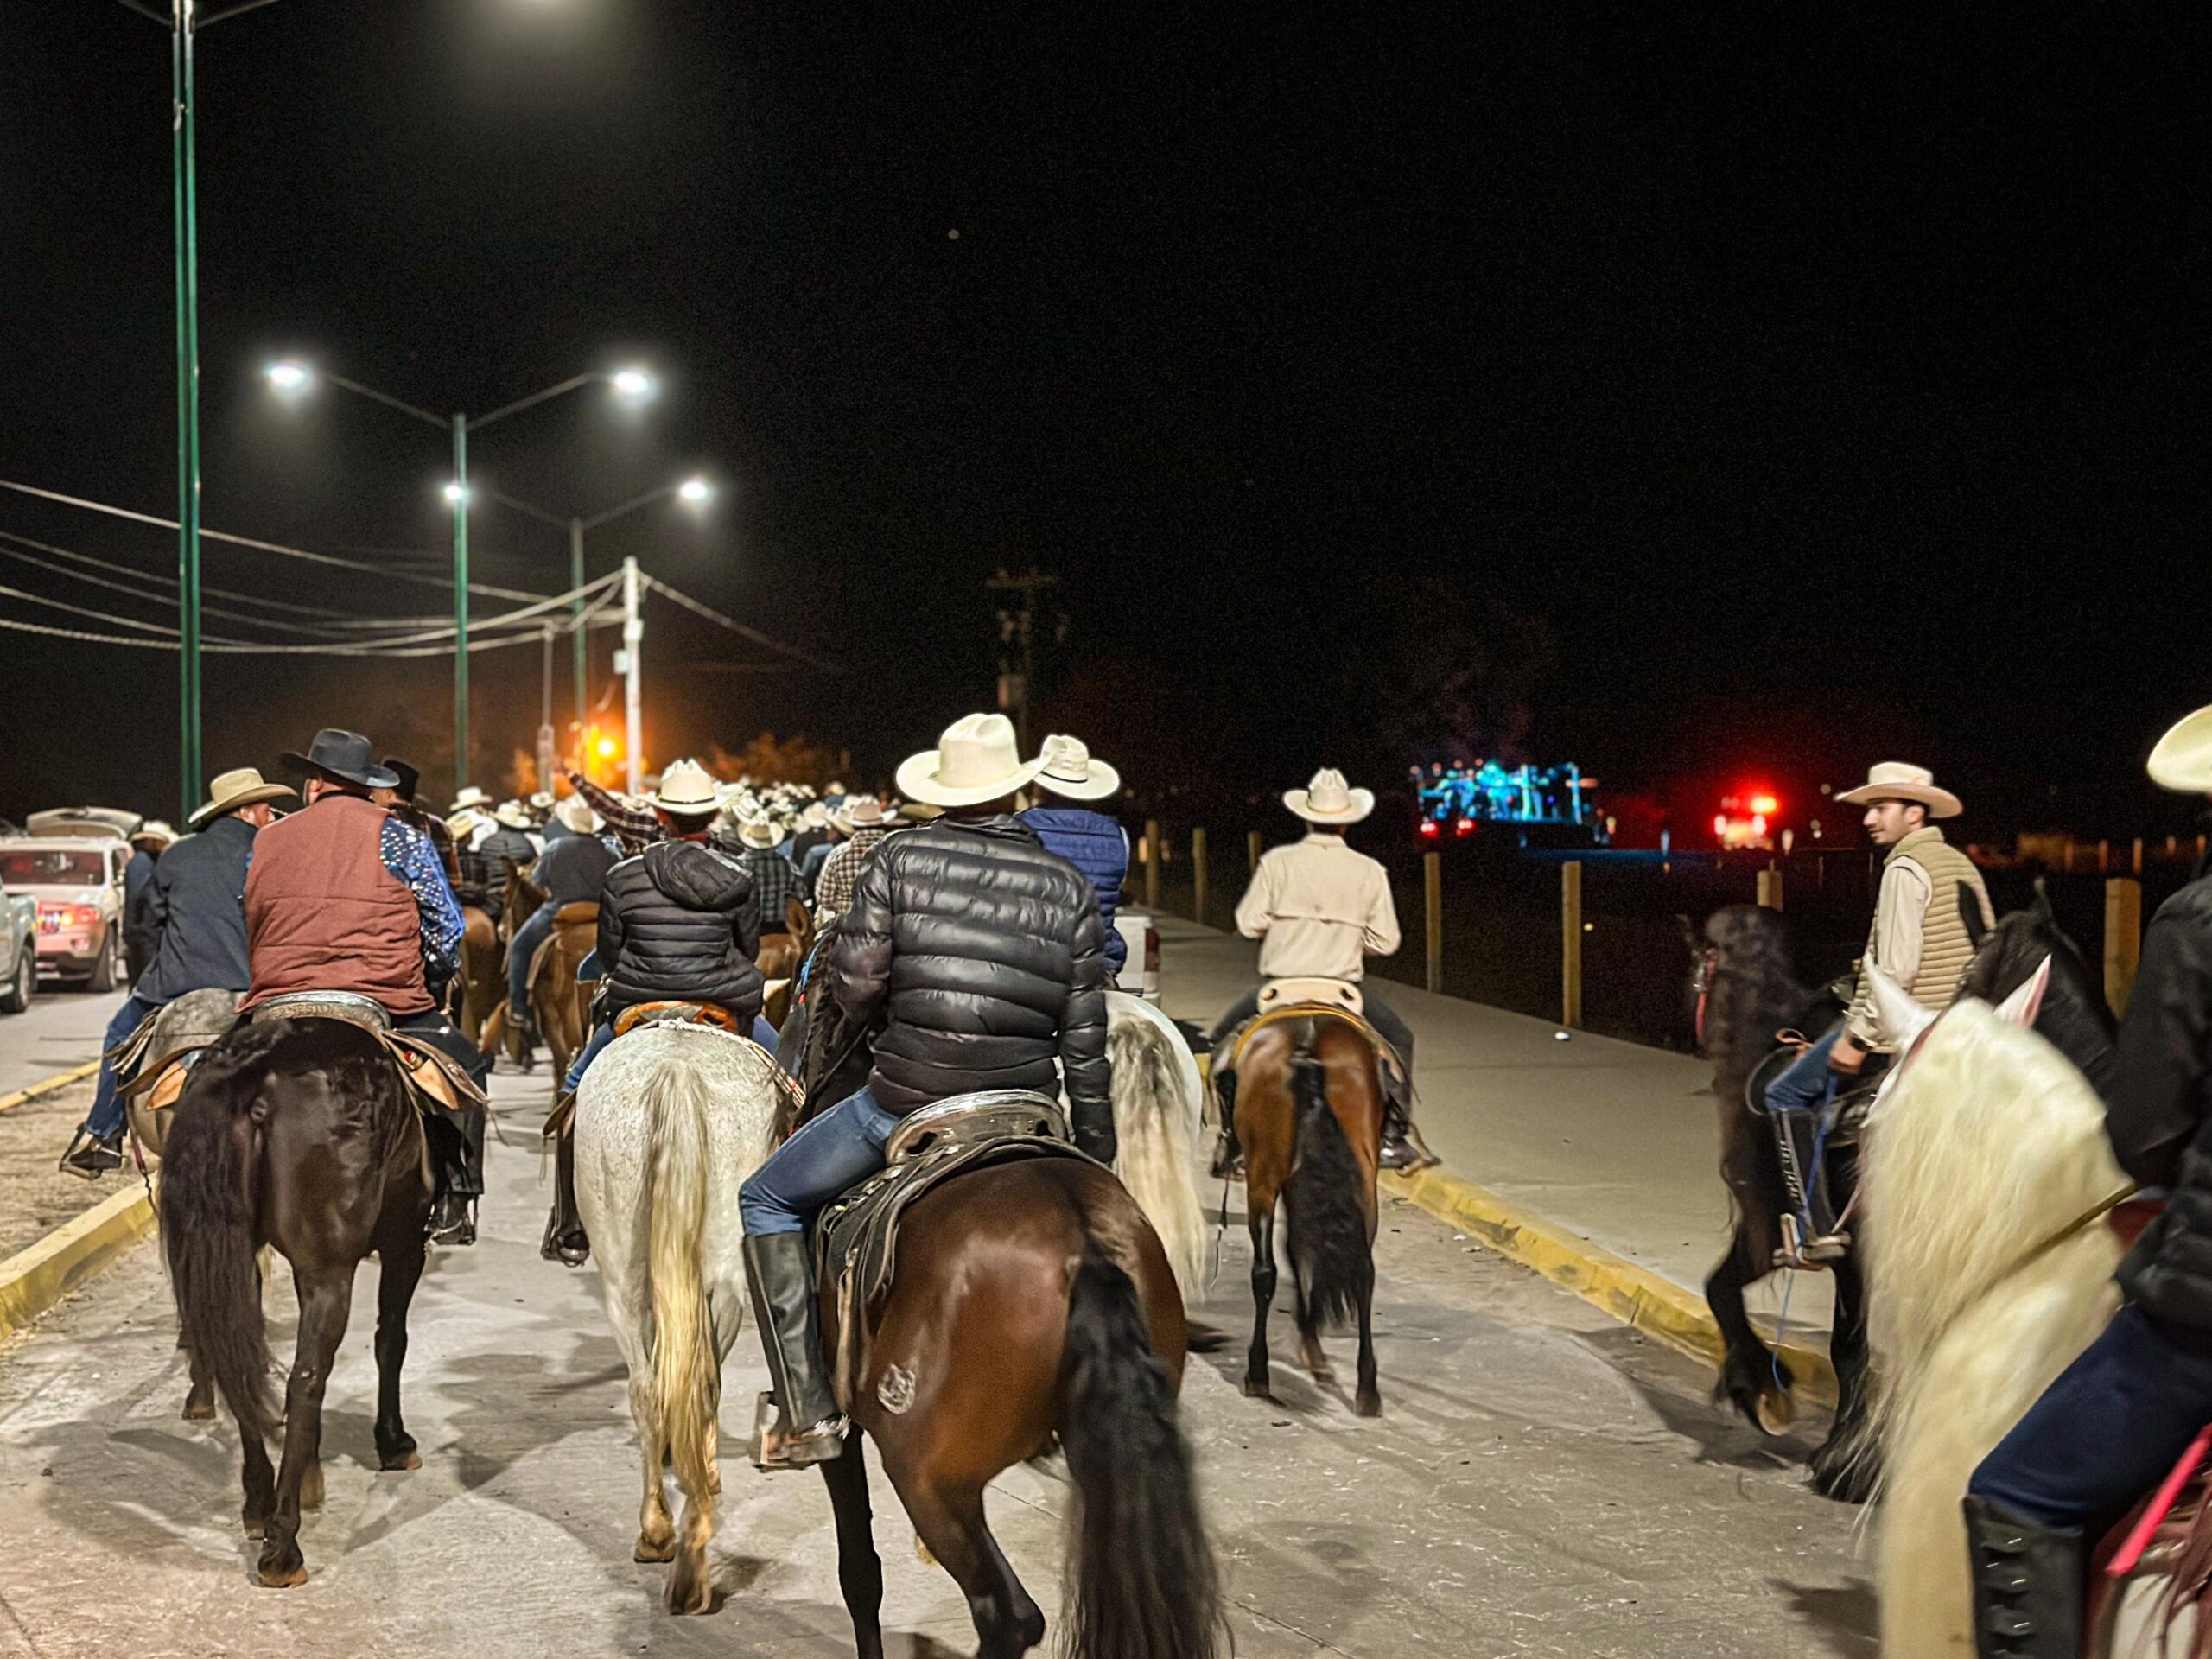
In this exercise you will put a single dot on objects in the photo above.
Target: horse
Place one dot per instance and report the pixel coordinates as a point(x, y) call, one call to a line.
point(483, 984)
point(1747, 992)
point(781, 953)
point(501, 1030)
point(670, 1119)
point(1987, 1175)
point(1158, 1097)
point(560, 1004)
point(1309, 1114)
point(302, 1134)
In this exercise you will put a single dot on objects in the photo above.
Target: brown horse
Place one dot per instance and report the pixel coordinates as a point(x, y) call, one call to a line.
point(559, 1002)
point(1033, 1303)
point(501, 1031)
point(781, 953)
point(483, 986)
point(1309, 1117)
point(304, 1134)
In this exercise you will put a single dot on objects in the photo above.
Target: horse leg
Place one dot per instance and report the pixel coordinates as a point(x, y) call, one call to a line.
point(1847, 1466)
point(1309, 1331)
point(400, 1252)
point(324, 1301)
point(260, 1479)
point(949, 1521)
point(199, 1400)
point(1261, 1224)
point(1748, 1366)
point(1368, 1402)
point(860, 1569)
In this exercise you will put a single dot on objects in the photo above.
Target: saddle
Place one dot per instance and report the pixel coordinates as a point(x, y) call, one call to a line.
point(1854, 1100)
point(1344, 1004)
point(153, 1061)
point(435, 1076)
point(676, 1014)
point(856, 1237)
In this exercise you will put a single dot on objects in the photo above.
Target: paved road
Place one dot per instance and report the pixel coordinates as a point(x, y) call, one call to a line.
point(1542, 1482)
point(59, 1030)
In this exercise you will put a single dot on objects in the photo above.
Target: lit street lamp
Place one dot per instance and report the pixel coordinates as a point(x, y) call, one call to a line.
point(291, 379)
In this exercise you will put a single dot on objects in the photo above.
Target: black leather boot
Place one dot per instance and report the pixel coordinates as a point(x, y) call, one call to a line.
point(1402, 1146)
point(93, 1156)
point(2027, 1586)
point(565, 1240)
point(1811, 1233)
point(810, 1429)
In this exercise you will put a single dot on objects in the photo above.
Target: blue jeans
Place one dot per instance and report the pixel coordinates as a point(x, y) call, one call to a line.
point(826, 1156)
point(106, 1117)
point(2108, 1430)
point(1804, 1086)
point(763, 1034)
point(532, 934)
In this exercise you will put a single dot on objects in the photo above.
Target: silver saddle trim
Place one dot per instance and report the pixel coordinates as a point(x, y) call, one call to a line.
point(349, 1006)
point(984, 1116)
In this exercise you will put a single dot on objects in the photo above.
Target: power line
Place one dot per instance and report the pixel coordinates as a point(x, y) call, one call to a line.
point(737, 627)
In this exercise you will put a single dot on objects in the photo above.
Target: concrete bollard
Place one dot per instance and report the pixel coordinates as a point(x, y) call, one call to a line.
point(2123, 938)
point(1570, 941)
point(1432, 876)
point(1198, 875)
point(1251, 852)
point(1152, 864)
point(1770, 889)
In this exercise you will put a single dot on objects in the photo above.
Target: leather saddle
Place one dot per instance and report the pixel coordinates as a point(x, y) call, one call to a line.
point(1335, 999)
point(1854, 1099)
point(676, 1014)
point(856, 1237)
point(153, 1061)
point(435, 1076)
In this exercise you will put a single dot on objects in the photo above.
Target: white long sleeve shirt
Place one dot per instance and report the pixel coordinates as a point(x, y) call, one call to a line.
point(1318, 909)
point(1900, 936)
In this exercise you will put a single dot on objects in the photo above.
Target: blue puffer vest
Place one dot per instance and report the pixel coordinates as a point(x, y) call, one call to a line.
point(1099, 848)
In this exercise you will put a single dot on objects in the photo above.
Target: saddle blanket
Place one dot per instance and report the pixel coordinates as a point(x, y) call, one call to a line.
point(1220, 1074)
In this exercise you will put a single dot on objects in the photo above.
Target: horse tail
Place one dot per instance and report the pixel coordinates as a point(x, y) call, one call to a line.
point(1152, 1113)
point(1144, 1586)
point(686, 1374)
point(1328, 1228)
point(210, 1193)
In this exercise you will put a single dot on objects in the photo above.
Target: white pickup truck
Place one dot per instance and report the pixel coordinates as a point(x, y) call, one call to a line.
point(70, 866)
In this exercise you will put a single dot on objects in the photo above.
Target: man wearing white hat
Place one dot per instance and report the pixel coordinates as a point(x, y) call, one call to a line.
point(147, 843)
point(2118, 1418)
point(1919, 939)
point(1318, 910)
point(1087, 838)
point(980, 954)
point(194, 909)
point(776, 879)
point(861, 819)
point(569, 872)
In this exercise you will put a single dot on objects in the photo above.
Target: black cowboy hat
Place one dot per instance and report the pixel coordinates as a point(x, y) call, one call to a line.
point(343, 755)
point(408, 776)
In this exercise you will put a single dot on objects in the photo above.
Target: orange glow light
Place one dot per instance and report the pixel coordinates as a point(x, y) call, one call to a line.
point(1764, 803)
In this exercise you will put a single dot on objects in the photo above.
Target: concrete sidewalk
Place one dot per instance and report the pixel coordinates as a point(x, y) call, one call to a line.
point(60, 1031)
point(1611, 1141)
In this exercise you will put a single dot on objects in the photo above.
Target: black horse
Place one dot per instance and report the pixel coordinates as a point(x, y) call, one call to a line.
point(302, 1135)
point(2073, 1017)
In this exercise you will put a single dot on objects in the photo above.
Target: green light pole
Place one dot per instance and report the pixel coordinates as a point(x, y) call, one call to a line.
point(187, 405)
point(461, 755)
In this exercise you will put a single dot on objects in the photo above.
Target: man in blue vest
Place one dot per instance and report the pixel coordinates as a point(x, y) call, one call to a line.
point(1094, 843)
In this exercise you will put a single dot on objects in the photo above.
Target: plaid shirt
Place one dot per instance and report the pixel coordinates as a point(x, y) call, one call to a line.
point(633, 830)
point(833, 888)
point(776, 879)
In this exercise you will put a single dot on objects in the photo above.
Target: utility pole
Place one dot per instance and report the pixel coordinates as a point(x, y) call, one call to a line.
point(461, 766)
point(633, 634)
point(576, 616)
point(187, 201)
point(548, 748)
point(1018, 643)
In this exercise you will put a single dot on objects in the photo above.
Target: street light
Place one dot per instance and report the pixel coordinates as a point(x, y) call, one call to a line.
point(695, 492)
point(291, 377)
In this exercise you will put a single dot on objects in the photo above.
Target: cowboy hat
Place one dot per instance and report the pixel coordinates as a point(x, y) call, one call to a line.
point(542, 801)
point(919, 813)
point(344, 756)
point(466, 822)
point(2182, 759)
point(1067, 768)
point(577, 813)
point(1900, 780)
point(858, 812)
point(514, 816)
point(1328, 800)
point(153, 829)
point(974, 761)
point(408, 777)
point(472, 795)
point(758, 832)
point(687, 790)
point(229, 790)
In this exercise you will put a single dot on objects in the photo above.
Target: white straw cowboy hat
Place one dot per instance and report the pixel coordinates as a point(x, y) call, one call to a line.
point(1328, 800)
point(577, 813)
point(514, 816)
point(474, 796)
point(758, 832)
point(229, 790)
point(466, 822)
point(974, 761)
point(153, 829)
point(1898, 780)
point(2182, 759)
point(1067, 768)
point(859, 812)
point(688, 790)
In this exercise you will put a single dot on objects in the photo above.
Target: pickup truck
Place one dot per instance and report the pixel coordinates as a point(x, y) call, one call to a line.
point(18, 951)
point(71, 863)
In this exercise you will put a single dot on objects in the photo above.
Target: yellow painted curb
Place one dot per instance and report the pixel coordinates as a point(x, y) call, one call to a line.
point(1634, 1295)
point(35, 1279)
point(48, 1085)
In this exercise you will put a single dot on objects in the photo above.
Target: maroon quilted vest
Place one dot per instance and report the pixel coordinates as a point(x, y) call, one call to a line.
point(323, 914)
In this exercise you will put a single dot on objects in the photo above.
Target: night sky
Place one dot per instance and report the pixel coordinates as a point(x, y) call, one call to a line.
point(1695, 397)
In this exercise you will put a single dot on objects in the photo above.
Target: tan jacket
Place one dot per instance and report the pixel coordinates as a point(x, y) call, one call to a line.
point(1318, 908)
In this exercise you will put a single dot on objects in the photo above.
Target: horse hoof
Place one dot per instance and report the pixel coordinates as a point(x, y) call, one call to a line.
point(1324, 1376)
point(283, 1578)
point(311, 1489)
point(1368, 1404)
point(399, 1462)
point(196, 1411)
point(652, 1551)
point(1774, 1412)
point(1256, 1388)
point(254, 1525)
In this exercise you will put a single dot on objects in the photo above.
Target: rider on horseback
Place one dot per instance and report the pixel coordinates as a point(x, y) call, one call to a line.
point(196, 913)
point(1318, 908)
point(983, 952)
point(2118, 1417)
point(570, 871)
point(1919, 939)
point(344, 896)
point(1093, 843)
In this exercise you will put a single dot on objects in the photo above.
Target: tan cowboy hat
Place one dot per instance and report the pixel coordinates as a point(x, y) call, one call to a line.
point(859, 812)
point(1900, 780)
point(466, 822)
point(758, 832)
point(1066, 768)
point(688, 790)
point(577, 813)
point(974, 761)
point(1328, 799)
point(2182, 759)
point(472, 795)
point(514, 816)
point(153, 829)
point(228, 790)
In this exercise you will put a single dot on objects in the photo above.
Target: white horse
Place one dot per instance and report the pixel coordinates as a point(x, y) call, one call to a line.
point(1158, 1101)
point(670, 1119)
point(1984, 1158)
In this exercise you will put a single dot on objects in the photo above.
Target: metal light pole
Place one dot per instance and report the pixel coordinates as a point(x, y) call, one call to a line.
point(576, 616)
point(461, 756)
point(187, 405)
point(633, 635)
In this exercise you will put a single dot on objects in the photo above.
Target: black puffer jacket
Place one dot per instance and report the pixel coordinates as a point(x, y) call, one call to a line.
point(985, 951)
point(678, 923)
point(2159, 1115)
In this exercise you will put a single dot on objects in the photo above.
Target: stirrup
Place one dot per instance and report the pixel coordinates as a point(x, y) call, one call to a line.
point(1806, 1254)
point(771, 1450)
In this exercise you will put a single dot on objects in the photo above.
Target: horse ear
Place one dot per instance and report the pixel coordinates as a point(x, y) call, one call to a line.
point(1970, 913)
point(2026, 1002)
point(2043, 902)
point(1898, 1017)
